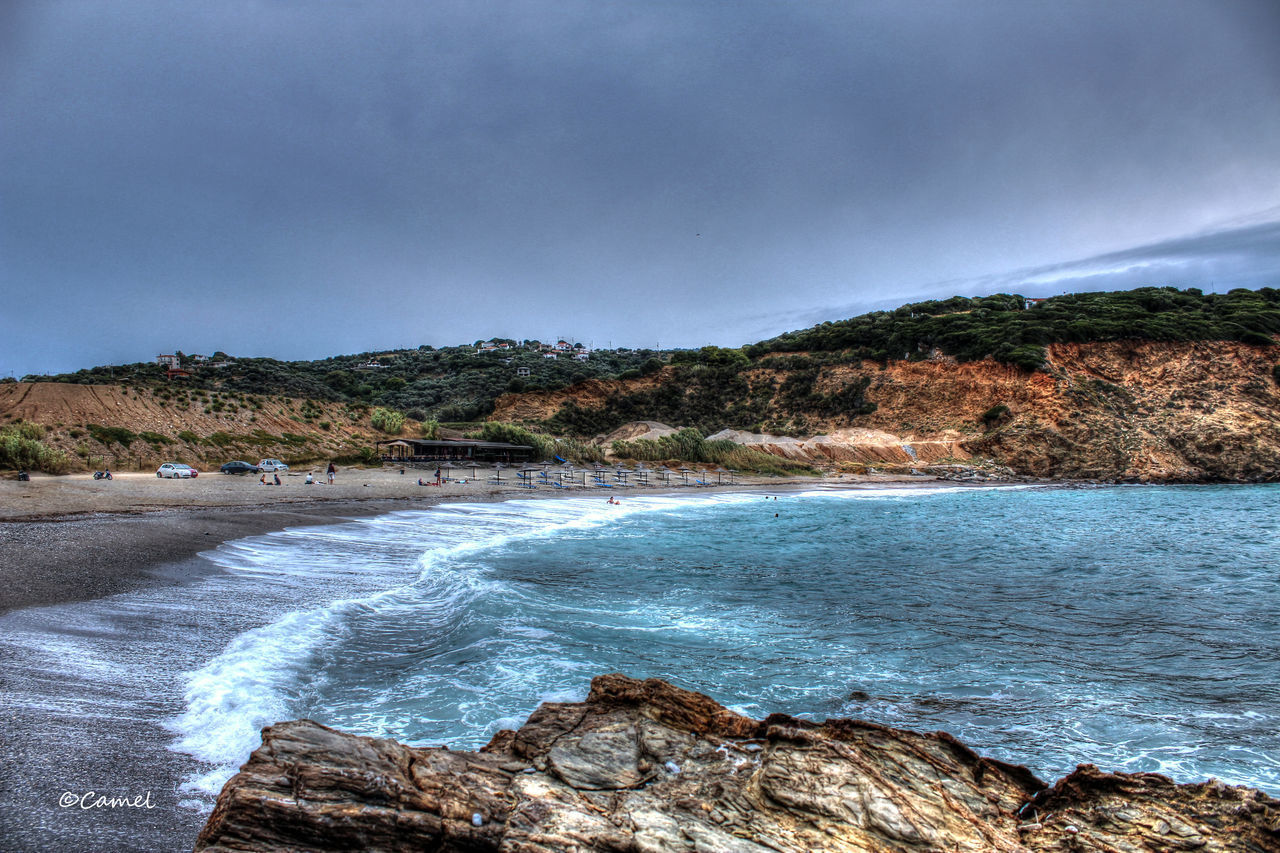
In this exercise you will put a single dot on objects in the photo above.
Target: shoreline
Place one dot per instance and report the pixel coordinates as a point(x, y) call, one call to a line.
point(97, 549)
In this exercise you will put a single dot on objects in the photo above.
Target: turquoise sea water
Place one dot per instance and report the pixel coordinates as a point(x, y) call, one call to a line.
point(1135, 628)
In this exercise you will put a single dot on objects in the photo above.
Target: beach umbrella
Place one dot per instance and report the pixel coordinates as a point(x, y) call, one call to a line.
point(446, 467)
point(732, 475)
point(474, 466)
point(497, 471)
point(685, 471)
point(665, 473)
point(526, 474)
point(720, 472)
point(642, 474)
point(620, 473)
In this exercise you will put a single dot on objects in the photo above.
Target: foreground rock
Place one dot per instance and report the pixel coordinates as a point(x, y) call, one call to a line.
point(644, 766)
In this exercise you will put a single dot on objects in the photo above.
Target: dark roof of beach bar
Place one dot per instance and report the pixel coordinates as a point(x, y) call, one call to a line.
point(425, 448)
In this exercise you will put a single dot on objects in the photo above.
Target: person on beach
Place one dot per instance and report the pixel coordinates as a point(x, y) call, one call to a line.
point(262, 481)
point(331, 471)
point(276, 477)
point(437, 476)
point(309, 479)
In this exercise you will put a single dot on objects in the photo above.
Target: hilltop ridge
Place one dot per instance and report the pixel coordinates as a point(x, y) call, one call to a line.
point(1151, 384)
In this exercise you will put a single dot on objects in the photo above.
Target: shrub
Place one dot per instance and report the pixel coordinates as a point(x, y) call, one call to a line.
point(431, 429)
point(995, 414)
point(110, 435)
point(543, 445)
point(388, 420)
point(20, 450)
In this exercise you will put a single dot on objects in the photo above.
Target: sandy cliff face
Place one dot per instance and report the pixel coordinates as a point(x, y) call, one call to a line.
point(66, 411)
point(1205, 410)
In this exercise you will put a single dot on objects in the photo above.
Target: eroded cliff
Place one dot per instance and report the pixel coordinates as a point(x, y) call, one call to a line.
point(1126, 410)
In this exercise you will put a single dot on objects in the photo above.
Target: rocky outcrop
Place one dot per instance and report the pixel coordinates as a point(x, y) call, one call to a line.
point(1119, 410)
point(644, 766)
point(853, 444)
point(651, 430)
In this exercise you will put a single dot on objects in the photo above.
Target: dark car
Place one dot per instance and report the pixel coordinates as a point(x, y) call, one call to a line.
point(239, 467)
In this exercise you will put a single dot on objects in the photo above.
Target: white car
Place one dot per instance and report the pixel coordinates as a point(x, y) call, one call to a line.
point(269, 465)
point(176, 471)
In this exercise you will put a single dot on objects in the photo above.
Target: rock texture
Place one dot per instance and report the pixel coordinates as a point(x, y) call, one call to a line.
point(643, 766)
point(1121, 410)
point(854, 444)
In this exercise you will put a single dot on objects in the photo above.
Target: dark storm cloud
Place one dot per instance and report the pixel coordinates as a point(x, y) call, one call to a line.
point(304, 179)
point(1244, 255)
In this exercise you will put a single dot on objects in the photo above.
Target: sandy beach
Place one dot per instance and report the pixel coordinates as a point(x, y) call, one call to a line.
point(73, 538)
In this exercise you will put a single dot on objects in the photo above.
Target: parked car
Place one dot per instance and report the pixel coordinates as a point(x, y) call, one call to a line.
point(270, 465)
point(238, 467)
point(176, 471)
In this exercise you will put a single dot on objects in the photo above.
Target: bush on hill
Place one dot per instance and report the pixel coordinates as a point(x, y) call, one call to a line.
point(1001, 327)
point(21, 449)
point(388, 420)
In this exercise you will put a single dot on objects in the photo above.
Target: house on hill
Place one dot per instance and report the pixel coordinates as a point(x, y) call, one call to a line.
point(1029, 302)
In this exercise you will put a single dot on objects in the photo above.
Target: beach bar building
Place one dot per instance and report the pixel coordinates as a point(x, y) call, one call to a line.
point(407, 451)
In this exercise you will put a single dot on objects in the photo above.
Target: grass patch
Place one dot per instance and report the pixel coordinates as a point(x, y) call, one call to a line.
point(111, 435)
point(688, 445)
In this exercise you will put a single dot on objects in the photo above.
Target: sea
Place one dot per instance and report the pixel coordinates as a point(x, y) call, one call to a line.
point(1135, 628)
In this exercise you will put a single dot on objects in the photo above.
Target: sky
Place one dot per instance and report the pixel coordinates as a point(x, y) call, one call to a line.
point(304, 179)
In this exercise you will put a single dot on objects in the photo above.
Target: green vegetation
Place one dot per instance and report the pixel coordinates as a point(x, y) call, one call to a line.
point(446, 384)
point(787, 385)
point(21, 448)
point(155, 439)
point(995, 414)
point(388, 420)
point(545, 447)
point(999, 326)
point(714, 388)
point(110, 434)
point(688, 445)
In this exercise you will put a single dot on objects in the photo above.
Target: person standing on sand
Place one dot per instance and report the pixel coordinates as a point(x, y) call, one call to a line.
point(331, 471)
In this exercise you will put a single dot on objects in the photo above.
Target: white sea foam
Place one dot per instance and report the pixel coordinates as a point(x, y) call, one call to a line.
point(264, 673)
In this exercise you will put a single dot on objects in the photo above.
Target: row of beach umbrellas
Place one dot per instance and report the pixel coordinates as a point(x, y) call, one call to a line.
point(530, 475)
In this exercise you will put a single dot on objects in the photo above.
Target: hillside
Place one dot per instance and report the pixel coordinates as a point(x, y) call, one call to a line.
point(447, 384)
point(1153, 383)
point(1165, 411)
point(131, 428)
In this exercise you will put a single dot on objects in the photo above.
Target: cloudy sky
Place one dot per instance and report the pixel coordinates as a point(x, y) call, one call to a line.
point(301, 179)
